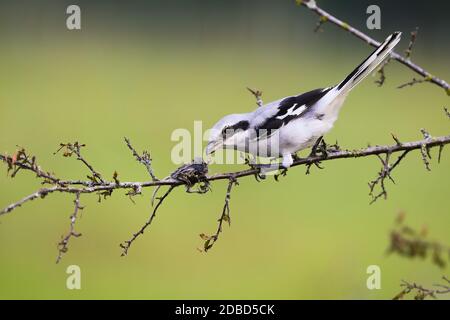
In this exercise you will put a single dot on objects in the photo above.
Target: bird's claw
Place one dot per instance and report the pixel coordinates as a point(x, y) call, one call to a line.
point(257, 167)
point(319, 148)
point(283, 172)
point(296, 157)
point(316, 163)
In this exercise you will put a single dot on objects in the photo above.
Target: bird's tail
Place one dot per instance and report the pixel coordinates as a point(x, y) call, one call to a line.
point(369, 64)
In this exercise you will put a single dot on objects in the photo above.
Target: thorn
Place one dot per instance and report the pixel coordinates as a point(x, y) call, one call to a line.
point(396, 139)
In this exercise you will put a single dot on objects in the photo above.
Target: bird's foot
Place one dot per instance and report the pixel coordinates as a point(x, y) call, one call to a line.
point(264, 169)
point(315, 163)
point(283, 173)
point(296, 157)
point(203, 187)
point(319, 149)
point(260, 170)
point(251, 162)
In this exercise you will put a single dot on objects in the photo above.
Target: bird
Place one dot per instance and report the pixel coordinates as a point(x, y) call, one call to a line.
point(282, 128)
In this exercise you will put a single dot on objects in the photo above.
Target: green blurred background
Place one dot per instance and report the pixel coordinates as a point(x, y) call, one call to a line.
point(144, 68)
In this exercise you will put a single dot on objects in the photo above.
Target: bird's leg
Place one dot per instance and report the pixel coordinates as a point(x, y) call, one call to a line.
point(315, 147)
point(283, 173)
point(295, 157)
point(288, 160)
point(323, 148)
point(264, 168)
point(320, 146)
point(202, 188)
point(259, 167)
point(250, 161)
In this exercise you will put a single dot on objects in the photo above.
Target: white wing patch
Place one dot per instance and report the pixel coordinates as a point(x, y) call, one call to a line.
point(291, 112)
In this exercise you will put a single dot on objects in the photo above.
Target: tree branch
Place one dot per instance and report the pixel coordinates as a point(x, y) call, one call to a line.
point(412, 243)
point(327, 17)
point(258, 96)
point(75, 148)
point(85, 187)
point(225, 217)
point(145, 159)
point(63, 244)
point(422, 293)
point(127, 244)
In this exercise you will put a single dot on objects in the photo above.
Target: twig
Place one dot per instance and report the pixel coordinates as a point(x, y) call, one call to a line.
point(447, 112)
point(127, 244)
point(422, 293)
point(410, 243)
point(258, 96)
point(145, 159)
point(75, 148)
point(225, 216)
point(382, 79)
point(412, 82)
point(311, 5)
point(63, 244)
point(425, 151)
point(21, 160)
point(320, 23)
point(384, 173)
point(413, 39)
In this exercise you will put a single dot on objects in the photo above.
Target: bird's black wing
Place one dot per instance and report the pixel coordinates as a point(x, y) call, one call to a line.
point(287, 111)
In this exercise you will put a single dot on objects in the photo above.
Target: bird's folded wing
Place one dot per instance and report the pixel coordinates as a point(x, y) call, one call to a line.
point(273, 116)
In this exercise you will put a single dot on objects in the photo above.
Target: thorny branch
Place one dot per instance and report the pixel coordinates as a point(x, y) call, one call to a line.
point(382, 79)
point(63, 244)
point(387, 167)
point(408, 51)
point(384, 173)
point(190, 175)
point(411, 83)
point(75, 148)
point(258, 96)
point(225, 217)
point(85, 187)
point(127, 244)
point(324, 16)
point(421, 293)
point(411, 243)
point(145, 159)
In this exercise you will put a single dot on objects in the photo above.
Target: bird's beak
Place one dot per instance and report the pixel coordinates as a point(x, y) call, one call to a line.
point(213, 146)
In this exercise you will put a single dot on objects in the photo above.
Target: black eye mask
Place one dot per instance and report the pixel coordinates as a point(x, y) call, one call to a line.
point(231, 130)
